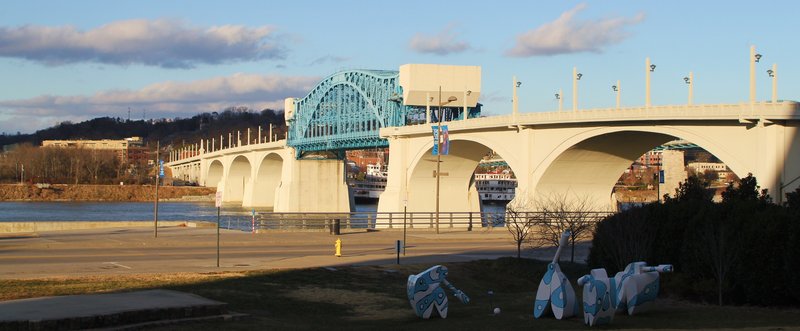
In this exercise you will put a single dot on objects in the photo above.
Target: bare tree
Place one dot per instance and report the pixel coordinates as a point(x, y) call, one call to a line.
point(561, 212)
point(520, 222)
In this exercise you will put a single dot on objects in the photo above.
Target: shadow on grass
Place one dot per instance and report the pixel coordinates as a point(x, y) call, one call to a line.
point(373, 298)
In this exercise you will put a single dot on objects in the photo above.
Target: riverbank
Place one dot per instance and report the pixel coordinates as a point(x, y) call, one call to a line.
point(36, 227)
point(63, 192)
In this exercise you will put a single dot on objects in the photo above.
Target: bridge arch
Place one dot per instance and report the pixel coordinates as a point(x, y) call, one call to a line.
point(237, 180)
point(588, 164)
point(215, 173)
point(346, 110)
point(457, 187)
point(267, 180)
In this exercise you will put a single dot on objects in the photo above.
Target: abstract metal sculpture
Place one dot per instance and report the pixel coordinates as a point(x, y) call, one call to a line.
point(599, 297)
point(631, 290)
point(425, 293)
point(555, 291)
point(637, 285)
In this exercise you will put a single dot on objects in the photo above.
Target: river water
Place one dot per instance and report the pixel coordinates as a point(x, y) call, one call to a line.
point(231, 216)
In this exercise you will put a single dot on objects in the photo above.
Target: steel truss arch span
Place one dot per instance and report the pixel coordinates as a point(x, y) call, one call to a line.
point(346, 110)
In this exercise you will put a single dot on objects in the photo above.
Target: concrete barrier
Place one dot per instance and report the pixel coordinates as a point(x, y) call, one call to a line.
point(33, 227)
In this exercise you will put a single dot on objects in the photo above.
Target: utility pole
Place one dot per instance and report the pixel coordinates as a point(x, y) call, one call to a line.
point(155, 211)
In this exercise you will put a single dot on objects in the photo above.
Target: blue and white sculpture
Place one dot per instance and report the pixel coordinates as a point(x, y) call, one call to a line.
point(555, 291)
point(637, 286)
point(425, 292)
point(632, 290)
point(599, 297)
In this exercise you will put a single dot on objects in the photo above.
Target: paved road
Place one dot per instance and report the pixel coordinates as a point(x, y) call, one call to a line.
point(181, 249)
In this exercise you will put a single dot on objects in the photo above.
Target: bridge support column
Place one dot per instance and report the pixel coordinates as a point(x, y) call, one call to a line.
point(777, 168)
point(313, 186)
point(395, 196)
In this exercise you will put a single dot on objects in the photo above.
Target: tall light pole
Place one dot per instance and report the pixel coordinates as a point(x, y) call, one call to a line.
point(576, 76)
point(617, 88)
point(439, 151)
point(155, 207)
point(689, 80)
point(648, 68)
point(774, 74)
point(514, 99)
point(754, 58)
point(560, 98)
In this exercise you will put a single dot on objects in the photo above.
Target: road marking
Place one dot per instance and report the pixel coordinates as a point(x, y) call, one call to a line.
point(118, 265)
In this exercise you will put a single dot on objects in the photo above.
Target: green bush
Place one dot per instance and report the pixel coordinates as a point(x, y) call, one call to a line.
point(743, 250)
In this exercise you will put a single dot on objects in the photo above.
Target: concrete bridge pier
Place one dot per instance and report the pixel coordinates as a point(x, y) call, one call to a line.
point(313, 186)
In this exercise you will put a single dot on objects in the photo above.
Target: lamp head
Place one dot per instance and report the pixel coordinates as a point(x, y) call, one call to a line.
point(558, 96)
point(686, 80)
point(758, 57)
point(451, 99)
point(579, 75)
point(518, 84)
point(469, 92)
point(614, 87)
point(770, 73)
point(652, 67)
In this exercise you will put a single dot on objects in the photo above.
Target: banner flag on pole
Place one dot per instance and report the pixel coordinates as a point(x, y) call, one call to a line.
point(435, 150)
point(445, 140)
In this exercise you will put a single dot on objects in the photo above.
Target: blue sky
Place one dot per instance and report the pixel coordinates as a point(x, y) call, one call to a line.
point(75, 60)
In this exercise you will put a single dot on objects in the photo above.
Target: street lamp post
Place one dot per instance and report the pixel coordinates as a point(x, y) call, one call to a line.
point(773, 73)
point(439, 151)
point(689, 80)
point(648, 68)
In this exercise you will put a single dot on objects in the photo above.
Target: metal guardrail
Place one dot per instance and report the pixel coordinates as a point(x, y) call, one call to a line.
point(322, 221)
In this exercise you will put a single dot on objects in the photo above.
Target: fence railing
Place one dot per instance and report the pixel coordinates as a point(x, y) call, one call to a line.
point(322, 221)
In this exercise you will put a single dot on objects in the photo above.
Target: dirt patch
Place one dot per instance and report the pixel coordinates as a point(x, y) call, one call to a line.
point(61, 192)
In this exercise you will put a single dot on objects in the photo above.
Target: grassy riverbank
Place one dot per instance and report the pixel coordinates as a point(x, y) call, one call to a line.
point(62, 192)
point(373, 297)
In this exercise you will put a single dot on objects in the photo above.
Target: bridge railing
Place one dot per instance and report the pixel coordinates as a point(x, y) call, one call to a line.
point(324, 221)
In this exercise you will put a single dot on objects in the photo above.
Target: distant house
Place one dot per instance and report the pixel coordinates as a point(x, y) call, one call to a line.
point(10, 147)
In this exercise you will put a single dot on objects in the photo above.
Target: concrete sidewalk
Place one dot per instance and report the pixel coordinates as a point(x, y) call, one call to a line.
point(132, 309)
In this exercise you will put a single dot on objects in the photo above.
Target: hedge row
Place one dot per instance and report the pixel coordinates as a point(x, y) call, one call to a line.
point(744, 250)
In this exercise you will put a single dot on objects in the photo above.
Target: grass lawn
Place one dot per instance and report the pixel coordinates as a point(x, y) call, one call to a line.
point(373, 297)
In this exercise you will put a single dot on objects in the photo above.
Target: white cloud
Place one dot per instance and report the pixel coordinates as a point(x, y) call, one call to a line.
point(569, 35)
point(163, 43)
point(443, 43)
point(160, 100)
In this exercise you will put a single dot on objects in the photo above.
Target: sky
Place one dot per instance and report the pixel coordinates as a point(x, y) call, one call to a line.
point(77, 60)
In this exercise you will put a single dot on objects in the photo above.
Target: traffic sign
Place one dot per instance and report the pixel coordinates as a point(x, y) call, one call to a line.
point(218, 199)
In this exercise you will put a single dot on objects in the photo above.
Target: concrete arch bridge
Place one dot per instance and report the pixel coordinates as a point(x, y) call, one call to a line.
point(577, 153)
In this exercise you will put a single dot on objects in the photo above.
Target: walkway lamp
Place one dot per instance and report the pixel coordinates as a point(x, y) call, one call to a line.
point(648, 69)
point(439, 150)
point(575, 78)
point(560, 98)
point(617, 88)
point(515, 100)
point(689, 80)
point(773, 73)
point(754, 58)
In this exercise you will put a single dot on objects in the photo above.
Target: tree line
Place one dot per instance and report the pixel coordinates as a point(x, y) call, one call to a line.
point(27, 162)
point(174, 131)
point(31, 164)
